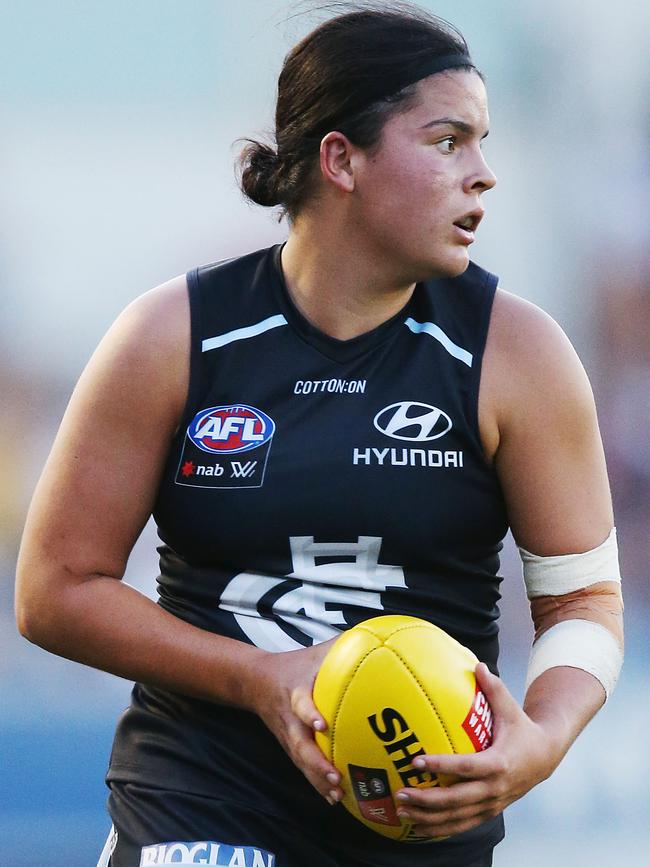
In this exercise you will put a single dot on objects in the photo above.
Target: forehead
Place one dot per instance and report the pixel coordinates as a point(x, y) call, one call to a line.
point(456, 93)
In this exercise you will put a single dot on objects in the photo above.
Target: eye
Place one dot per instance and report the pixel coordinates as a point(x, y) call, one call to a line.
point(447, 145)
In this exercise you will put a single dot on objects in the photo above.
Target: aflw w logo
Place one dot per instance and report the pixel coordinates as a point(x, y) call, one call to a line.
point(242, 471)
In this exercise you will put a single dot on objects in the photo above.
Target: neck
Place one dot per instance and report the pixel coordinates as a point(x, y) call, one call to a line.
point(340, 286)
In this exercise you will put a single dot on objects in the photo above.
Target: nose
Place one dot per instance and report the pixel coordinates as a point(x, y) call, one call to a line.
point(482, 177)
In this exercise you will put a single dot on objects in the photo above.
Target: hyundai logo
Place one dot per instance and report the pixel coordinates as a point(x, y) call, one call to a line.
point(412, 420)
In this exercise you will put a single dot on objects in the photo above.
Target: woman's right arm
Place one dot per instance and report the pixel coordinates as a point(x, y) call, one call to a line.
point(94, 497)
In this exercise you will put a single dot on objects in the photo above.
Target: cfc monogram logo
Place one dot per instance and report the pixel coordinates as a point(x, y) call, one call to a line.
point(307, 606)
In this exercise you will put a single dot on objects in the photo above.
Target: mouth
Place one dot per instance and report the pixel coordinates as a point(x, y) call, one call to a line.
point(468, 224)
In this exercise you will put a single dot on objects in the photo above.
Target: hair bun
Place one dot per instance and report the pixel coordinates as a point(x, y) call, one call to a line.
point(260, 170)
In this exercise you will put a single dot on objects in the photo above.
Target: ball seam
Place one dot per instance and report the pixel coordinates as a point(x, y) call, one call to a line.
point(342, 698)
point(424, 624)
point(426, 694)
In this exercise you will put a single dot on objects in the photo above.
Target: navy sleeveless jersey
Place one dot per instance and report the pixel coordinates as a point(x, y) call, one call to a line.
point(314, 483)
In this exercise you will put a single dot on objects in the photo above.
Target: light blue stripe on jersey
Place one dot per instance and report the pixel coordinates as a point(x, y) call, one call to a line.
point(437, 332)
point(243, 333)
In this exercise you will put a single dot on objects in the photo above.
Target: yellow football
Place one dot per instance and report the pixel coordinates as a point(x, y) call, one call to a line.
point(392, 688)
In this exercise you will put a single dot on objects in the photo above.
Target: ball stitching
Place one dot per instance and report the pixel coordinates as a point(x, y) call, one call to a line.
point(427, 696)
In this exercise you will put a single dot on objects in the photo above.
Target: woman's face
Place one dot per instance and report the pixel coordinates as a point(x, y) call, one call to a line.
point(427, 175)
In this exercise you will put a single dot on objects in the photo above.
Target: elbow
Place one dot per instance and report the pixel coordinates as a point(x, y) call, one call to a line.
point(31, 622)
point(26, 627)
point(22, 618)
point(36, 615)
point(51, 606)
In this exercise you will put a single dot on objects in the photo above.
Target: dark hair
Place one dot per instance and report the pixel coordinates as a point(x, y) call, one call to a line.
point(347, 75)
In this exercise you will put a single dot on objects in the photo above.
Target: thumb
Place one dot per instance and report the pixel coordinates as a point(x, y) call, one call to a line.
point(503, 705)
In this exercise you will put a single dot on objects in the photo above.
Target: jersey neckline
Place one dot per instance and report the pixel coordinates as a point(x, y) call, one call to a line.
point(336, 350)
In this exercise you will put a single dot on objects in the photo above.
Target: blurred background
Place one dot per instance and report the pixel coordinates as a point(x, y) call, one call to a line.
point(117, 124)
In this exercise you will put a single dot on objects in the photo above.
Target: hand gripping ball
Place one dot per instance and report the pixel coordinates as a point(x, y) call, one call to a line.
point(392, 688)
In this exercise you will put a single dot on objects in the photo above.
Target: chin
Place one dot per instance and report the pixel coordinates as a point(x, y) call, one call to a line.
point(459, 268)
point(449, 266)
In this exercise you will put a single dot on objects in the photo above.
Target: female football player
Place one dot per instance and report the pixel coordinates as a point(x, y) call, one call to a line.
point(340, 426)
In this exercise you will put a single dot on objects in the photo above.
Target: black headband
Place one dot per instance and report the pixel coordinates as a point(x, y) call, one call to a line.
point(380, 88)
point(429, 66)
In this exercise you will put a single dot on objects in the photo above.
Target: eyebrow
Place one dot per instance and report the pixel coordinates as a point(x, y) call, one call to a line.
point(466, 128)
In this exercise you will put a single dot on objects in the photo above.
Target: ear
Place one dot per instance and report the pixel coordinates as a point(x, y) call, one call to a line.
point(336, 161)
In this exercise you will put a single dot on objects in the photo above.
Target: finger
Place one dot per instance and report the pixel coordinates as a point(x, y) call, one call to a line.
point(302, 704)
point(503, 705)
point(448, 829)
point(304, 708)
point(439, 819)
point(311, 761)
point(323, 776)
point(466, 766)
point(445, 799)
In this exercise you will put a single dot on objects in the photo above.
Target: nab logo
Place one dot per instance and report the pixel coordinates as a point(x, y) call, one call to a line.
point(230, 429)
point(412, 420)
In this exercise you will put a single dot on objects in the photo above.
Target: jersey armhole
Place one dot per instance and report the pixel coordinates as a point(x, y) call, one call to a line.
point(489, 288)
point(195, 384)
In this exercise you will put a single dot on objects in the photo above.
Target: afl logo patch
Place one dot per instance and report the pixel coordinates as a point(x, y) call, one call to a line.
point(230, 429)
point(211, 455)
point(412, 420)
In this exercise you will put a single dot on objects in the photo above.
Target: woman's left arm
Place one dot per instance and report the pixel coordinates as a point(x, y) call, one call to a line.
point(539, 426)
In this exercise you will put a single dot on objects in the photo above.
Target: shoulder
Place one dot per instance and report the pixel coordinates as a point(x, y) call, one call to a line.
point(515, 322)
point(153, 324)
point(160, 315)
point(530, 369)
point(528, 344)
point(144, 356)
